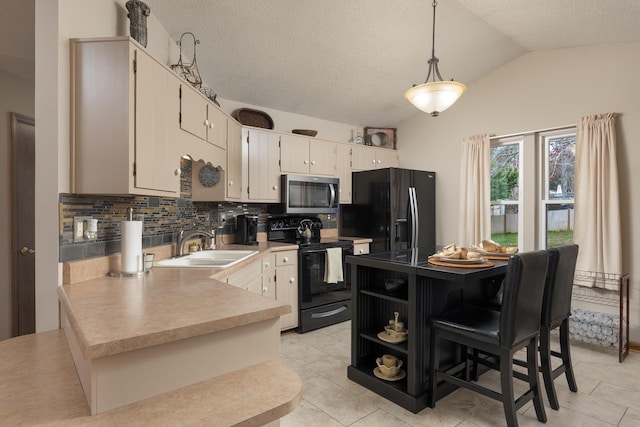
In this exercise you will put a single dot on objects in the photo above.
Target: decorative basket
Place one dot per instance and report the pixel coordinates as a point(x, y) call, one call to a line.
point(255, 118)
point(306, 132)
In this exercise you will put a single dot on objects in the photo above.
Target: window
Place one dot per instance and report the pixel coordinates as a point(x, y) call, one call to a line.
point(505, 191)
point(532, 184)
point(559, 154)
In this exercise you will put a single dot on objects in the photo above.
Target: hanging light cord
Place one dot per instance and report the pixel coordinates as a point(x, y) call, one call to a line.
point(433, 61)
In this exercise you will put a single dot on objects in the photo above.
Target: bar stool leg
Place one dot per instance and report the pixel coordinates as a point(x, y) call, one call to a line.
point(534, 383)
point(566, 355)
point(546, 368)
point(506, 388)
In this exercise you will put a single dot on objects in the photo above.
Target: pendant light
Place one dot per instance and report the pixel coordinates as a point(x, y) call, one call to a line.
point(437, 95)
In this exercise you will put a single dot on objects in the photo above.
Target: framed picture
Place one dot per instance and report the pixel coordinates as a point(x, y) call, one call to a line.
point(380, 137)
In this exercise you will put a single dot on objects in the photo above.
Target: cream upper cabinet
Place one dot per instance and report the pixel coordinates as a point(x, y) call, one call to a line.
point(121, 107)
point(233, 173)
point(263, 168)
point(366, 158)
point(201, 118)
point(344, 171)
point(307, 156)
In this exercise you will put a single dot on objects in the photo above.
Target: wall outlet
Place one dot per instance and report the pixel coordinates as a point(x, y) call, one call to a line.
point(78, 228)
point(222, 219)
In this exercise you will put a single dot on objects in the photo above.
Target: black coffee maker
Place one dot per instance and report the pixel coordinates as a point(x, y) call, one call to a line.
point(247, 229)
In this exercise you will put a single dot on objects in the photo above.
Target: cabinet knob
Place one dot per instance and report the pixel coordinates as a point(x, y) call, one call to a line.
point(285, 259)
point(306, 162)
point(178, 172)
point(373, 161)
point(361, 251)
point(379, 161)
point(275, 187)
point(292, 280)
point(206, 122)
point(230, 183)
point(211, 126)
point(265, 290)
point(313, 162)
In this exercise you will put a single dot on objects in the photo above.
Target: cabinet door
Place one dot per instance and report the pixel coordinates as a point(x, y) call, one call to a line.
point(386, 158)
point(287, 286)
point(343, 165)
point(155, 161)
point(322, 157)
point(294, 154)
point(193, 112)
point(233, 174)
point(216, 125)
point(249, 278)
point(263, 170)
point(268, 277)
point(362, 158)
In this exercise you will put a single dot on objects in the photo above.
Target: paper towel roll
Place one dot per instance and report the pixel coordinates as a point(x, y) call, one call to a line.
point(131, 247)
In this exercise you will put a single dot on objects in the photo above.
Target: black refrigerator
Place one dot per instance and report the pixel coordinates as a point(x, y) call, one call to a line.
point(395, 207)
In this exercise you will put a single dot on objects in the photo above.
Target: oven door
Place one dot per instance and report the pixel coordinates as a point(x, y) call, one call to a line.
point(321, 304)
point(314, 290)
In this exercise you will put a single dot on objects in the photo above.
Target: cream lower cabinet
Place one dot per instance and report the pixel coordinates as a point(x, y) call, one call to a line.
point(269, 277)
point(287, 286)
point(360, 248)
point(367, 158)
point(248, 278)
point(307, 156)
point(262, 174)
point(122, 100)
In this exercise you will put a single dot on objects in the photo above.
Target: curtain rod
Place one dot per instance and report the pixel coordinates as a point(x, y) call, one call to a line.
point(532, 131)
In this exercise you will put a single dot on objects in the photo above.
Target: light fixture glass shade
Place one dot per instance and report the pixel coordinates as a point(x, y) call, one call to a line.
point(434, 97)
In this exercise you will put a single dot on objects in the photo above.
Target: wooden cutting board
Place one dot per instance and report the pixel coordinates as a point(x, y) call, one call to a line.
point(451, 264)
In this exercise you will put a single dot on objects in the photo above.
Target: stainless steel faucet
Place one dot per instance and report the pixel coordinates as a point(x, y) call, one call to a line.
point(182, 238)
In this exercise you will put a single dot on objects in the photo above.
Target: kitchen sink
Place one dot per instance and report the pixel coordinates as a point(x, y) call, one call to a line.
point(204, 259)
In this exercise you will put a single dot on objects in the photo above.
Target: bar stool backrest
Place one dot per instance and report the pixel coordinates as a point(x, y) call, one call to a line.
point(556, 304)
point(522, 300)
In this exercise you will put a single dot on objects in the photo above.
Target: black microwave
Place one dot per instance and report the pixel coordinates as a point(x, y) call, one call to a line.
point(310, 194)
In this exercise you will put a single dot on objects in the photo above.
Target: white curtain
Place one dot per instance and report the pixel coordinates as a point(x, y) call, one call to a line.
point(474, 223)
point(597, 206)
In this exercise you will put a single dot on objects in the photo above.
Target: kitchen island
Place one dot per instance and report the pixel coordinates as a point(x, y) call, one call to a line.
point(173, 345)
point(405, 282)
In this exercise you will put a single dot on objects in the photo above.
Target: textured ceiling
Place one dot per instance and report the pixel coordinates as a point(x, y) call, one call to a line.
point(350, 61)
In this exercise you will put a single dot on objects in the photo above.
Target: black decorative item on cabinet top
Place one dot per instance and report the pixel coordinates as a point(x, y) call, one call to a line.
point(138, 12)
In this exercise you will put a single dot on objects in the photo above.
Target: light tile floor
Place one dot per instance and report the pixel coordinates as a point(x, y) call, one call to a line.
point(608, 391)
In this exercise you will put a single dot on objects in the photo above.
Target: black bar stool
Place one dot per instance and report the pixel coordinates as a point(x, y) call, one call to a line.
point(498, 333)
point(556, 310)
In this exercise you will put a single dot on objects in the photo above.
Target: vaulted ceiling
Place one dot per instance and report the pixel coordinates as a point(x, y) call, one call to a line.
point(350, 61)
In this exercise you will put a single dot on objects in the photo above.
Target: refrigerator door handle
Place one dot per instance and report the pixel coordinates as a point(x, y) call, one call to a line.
point(415, 223)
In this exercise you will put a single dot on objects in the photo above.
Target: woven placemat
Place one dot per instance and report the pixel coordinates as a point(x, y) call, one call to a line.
point(450, 264)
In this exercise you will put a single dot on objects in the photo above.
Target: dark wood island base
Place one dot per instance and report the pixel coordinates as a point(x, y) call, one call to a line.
point(420, 290)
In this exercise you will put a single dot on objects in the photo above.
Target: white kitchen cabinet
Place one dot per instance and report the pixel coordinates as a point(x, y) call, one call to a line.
point(269, 277)
point(233, 174)
point(248, 278)
point(121, 106)
point(287, 286)
point(360, 248)
point(366, 158)
point(343, 167)
point(201, 118)
point(229, 186)
point(307, 156)
point(262, 171)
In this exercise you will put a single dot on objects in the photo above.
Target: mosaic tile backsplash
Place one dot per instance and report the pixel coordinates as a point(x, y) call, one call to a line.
point(163, 218)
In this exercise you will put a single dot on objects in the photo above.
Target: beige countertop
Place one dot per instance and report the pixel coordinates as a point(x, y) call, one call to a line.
point(40, 387)
point(111, 315)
